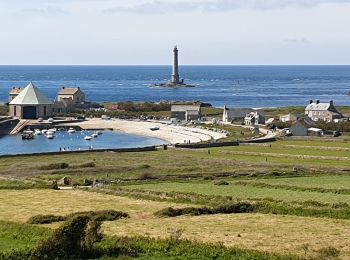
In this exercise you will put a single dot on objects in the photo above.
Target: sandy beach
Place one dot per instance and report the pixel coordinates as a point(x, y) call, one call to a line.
point(170, 133)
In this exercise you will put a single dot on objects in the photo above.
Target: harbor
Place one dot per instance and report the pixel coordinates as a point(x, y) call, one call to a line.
point(65, 141)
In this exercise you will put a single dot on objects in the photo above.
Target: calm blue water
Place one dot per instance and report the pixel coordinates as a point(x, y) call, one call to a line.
point(109, 139)
point(237, 86)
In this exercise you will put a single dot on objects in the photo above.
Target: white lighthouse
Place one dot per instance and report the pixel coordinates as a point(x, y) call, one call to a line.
point(175, 79)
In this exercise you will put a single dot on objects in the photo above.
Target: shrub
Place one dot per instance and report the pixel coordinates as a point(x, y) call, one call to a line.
point(66, 240)
point(146, 176)
point(221, 182)
point(102, 215)
point(45, 219)
point(84, 165)
point(327, 253)
point(238, 207)
point(54, 166)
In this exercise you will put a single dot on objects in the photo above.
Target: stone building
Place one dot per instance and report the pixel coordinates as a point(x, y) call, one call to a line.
point(71, 95)
point(14, 93)
point(30, 103)
point(289, 118)
point(318, 111)
point(68, 100)
point(235, 115)
point(301, 127)
point(186, 112)
point(254, 118)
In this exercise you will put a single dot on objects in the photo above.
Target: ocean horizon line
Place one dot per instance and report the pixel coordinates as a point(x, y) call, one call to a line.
point(169, 65)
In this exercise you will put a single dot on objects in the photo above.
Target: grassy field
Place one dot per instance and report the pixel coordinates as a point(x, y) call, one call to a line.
point(20, 236)
point(291, 172)
point(244, 192)
point(282, 157)
point(271, 233)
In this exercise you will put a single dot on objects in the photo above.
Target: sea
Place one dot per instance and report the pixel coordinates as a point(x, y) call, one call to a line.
point(233, 86)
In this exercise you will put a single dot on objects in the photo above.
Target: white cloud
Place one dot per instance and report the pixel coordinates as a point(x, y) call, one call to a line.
point(162, 6)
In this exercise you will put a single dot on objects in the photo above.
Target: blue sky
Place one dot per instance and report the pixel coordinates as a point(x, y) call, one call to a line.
point(144, 31)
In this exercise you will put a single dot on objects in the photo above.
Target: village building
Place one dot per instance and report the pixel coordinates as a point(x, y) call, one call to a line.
point(301, 127)
point(186, 112)
point(68, 100)
point(235, 115)
point(289, 118)
point(318, 111)
point(30, 103)
point(254, 118)
point(14, 93)
point(71, 95)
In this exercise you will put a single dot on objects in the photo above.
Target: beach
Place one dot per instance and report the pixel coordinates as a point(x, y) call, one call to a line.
point(170, 133)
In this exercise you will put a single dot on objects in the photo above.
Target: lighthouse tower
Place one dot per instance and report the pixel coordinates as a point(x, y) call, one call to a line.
point(175, 79)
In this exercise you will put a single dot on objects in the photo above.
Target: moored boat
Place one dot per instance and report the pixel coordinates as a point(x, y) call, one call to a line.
point(154, 128)
point(88, 138)
point(71, 130)
point(37, 132)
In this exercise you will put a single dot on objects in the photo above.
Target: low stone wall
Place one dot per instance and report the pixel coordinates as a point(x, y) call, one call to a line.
point(259, 141)
point(120, 150)
point(6, 126)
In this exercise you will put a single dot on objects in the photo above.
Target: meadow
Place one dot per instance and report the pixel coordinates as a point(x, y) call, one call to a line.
point(299, 191)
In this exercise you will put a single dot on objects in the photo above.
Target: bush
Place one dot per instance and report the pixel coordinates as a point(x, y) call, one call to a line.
point(238, 207)
point(327, 253)
point(66, 242)
point(84, 165)
point(220, 182)
point(45, 219)
point(146, 176)
point(54, 166)
point(102, 215)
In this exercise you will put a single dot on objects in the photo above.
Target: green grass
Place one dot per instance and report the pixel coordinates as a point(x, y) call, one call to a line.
point(15, 236)
point(325, 182)
point(244, 192)
point(3, 110)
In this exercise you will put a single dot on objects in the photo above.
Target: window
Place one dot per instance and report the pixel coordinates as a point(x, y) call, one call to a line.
point(14, 110)
point(44, 110)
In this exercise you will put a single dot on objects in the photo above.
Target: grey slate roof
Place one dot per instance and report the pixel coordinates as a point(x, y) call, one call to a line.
point(31, 95)
point(68, 91)
point(184, 108)
point(238, 112)
point(318, 107)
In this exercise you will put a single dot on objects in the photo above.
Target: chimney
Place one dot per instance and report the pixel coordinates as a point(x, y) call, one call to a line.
point(311, 101)
point(317, 101)
point(331, 102)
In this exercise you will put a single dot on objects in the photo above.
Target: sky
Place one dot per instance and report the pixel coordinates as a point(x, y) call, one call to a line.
point(143, 32)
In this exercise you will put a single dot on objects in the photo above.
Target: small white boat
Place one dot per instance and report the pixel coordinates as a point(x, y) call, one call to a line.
point(44, 131)
point(71, 130)
point(37, 132)
point(28, 131)
point(88, 138)
point(94, 135)
point(50, 135)
point(52, 130)
point(154, 128)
